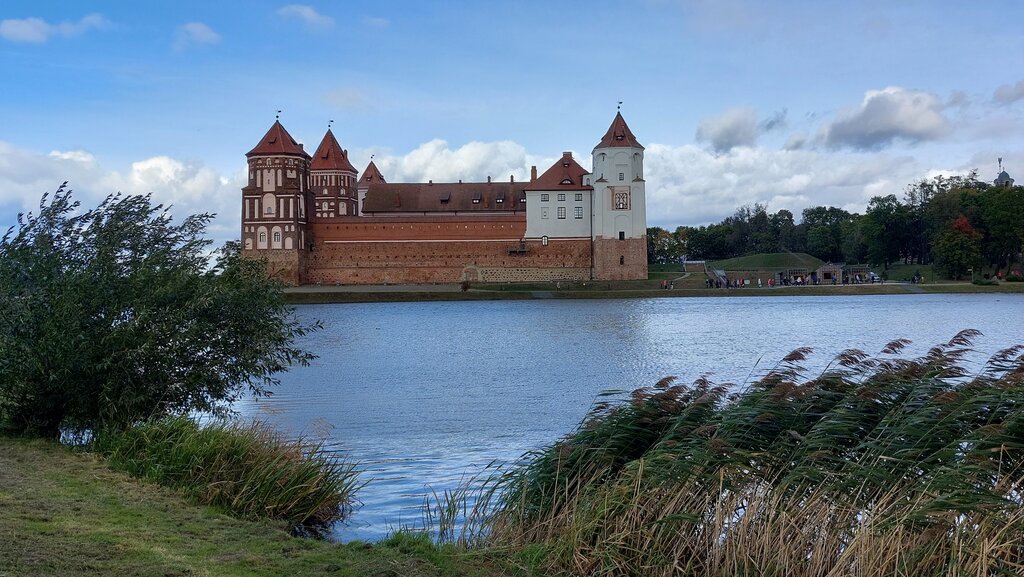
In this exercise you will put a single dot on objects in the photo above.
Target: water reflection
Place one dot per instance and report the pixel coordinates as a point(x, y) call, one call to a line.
point(425, 393)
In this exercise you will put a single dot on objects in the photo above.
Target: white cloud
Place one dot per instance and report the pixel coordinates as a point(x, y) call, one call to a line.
point(1007, 94)
point(474, 161)
point(796, 141)
point(734, 127)
point(194, 34)
point(685, 184)
point(887, 115)
point(38, 31)
point(189, 188)
point(308, 15)
point(349, 99)
point(690, 185)
point(376, 22)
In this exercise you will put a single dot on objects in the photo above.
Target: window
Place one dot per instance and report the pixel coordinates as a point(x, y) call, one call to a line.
point(263, 237)
point(561, 197)
point(561, 212)
point(622, 176)
point(579, 197)
point(277, 236)
point(544, 240)
point(622, 235)
point(577, 212)
point(544, 198)
point(620, 197)
point(544, 212)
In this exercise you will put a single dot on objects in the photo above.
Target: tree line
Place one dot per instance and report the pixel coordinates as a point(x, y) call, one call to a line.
point(956, 223)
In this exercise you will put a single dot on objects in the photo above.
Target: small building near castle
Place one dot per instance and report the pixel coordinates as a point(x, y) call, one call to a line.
point(317, 221)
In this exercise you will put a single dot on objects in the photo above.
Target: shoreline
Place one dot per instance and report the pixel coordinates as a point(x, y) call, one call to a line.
point(445, 292)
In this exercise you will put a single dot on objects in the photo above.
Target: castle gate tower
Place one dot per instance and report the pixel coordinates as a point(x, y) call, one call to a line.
point(275, 205)
point(332, 180)
point(620, 214)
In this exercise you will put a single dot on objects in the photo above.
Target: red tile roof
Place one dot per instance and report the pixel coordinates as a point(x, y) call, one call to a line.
point(442, 197)
point(277, 141)
point(618, 135)
point(564, 174)
point(371, 175)
point(330, 156)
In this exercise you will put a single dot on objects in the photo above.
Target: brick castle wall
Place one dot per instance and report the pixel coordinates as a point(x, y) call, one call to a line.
point(288, 266)
point(616, 259)
point(398, 250)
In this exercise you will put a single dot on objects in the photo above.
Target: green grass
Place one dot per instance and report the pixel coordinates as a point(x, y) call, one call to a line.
point(250, 470)
point(904, 272)
point(768, 262)
point(882, 465)
point(65, 513)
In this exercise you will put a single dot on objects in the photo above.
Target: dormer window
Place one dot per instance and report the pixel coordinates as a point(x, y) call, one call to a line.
point(566, 181)
point(499, 200)
point(446, 197)
point(476, 198)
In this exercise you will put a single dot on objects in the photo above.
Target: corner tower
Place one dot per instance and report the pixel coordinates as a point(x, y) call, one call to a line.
point(274, 205)
point(619, 206)
point(332, 180)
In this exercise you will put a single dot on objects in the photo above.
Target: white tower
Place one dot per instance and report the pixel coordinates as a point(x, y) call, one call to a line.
point(620, 213)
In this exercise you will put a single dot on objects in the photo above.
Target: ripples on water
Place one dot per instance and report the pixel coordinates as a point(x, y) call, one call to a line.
point(424, 394)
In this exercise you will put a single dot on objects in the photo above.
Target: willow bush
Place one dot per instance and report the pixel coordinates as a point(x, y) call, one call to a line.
point(113, 315)
point(881, 465)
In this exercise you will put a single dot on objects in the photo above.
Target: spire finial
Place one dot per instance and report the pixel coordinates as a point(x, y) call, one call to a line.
point(278, 116)
point(1000, 164)
point(619, 107)
point(329, 123)
point(371, 157)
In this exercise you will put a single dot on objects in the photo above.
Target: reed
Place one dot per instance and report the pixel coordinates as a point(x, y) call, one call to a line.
point(250, 470)
point(881, 465)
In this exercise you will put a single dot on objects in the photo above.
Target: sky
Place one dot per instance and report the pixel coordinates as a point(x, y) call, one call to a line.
point(790, 104)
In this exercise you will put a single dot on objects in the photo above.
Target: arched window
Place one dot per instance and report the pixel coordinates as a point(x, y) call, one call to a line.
point(268, 204)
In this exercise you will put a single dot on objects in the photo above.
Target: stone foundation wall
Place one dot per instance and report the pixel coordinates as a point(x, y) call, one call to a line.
point(616, 259)
point(502, 275)
point(289, 266)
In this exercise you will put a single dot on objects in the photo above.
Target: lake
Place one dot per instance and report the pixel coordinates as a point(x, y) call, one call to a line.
point(421, 394)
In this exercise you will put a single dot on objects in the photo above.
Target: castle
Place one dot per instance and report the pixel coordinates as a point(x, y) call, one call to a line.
point(317, 221)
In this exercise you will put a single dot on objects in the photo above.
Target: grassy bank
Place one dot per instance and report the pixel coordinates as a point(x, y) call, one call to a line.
point(880, 466)
point(642, 289)
point(250, 470)
point(65, 513)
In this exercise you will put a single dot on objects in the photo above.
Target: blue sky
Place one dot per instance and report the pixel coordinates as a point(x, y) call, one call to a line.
point(791, 104)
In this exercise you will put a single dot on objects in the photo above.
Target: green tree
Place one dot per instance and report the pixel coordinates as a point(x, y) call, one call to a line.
point(662, 246)
point(1003, 212)
point(113, 315)
point(884, 228)
point(958, 248)
point(823, 231)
